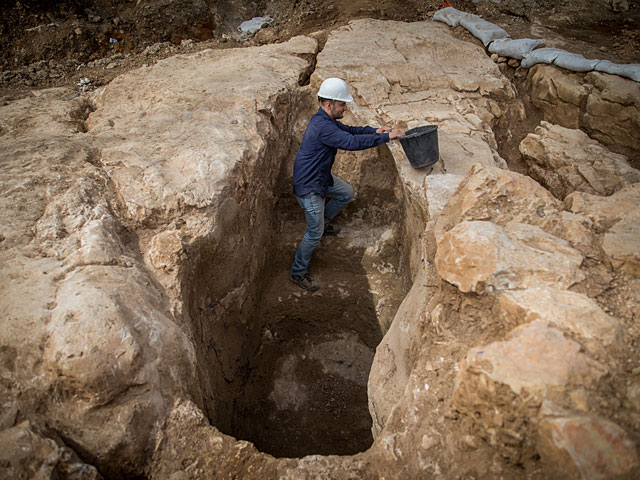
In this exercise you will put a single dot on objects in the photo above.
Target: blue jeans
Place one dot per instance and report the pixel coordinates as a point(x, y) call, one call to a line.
point(318, 216)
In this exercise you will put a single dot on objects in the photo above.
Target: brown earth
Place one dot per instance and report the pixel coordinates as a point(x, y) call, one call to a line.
point(46, 44)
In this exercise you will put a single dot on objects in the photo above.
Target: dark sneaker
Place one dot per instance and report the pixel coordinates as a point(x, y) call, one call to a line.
point(332, 231)
point(304, 281)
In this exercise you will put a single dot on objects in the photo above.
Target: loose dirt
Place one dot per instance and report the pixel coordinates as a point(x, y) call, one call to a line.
point(85, 45)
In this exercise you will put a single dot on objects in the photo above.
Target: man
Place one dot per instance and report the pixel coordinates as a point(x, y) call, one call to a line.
point(313, 181)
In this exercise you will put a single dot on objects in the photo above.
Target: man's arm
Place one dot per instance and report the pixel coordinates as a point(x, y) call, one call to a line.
point(367, 130)
point(356, 130)
point(334, 136)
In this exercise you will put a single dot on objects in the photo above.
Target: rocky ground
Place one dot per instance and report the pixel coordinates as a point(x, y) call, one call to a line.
point(473, 322)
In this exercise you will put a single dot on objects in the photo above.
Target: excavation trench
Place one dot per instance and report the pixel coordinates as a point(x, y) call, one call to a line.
point(278, 366)
point(285, 368)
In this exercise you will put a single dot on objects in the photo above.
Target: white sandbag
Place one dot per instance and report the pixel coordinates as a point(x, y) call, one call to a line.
point(574, 62)
point(485, 31)
point(450, 16)
point(631, 70)
point(541, 55)
point(250, 27)
point(505, 47)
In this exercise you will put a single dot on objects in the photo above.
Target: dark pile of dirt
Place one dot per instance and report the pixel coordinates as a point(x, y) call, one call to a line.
point(47, 43)
point(68, 30)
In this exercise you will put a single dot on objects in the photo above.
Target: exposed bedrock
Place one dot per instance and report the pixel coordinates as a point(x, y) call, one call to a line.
point(566, 160)
point(604, 106)
point(471, 321)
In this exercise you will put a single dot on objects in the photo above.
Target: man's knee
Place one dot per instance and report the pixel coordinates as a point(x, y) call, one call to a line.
point(313, 233)
point(312, 237)
point(350, 193)
point(346, 193)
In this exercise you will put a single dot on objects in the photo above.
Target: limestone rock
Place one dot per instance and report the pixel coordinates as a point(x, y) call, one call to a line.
point(613, 110)
point(567, 310)
point(500, 196)
point(477, 255)
point(606, 105)
point(391, 365)
point(62, 229)
point(439, 189)
point(621, 245)
point(618, 217)
point(566, 160)
point(391, 79)
point(159, 170)
point(533, 361)
point(605, 212)
point(585, 447)
point(29, 184)
point(25, 455)
point(558, 94)
point(534, 357)
point(113, 345)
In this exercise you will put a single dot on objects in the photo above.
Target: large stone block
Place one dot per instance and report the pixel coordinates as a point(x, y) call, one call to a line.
point(612, 113)
point(606, 106)
point(478, 255)
point(618, 218)
point(499, 196)
point(500, 386)
point(605, 212)
point(566, 160)
point(168, 156)
point(621, 245)
point(569, 311)
point(112, 352)
point(560, 95)
point(534, 357)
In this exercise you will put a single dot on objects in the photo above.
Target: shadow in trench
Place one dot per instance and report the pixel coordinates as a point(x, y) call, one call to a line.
point(306, 387)
point(285, 368)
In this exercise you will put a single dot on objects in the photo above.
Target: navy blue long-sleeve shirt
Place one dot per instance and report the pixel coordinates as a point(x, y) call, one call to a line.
point(321, 141)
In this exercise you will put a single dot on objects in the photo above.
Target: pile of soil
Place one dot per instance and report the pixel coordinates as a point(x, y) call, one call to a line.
point(47, 43)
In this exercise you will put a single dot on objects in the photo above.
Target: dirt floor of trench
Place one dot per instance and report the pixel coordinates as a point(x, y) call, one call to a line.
point(305, 388)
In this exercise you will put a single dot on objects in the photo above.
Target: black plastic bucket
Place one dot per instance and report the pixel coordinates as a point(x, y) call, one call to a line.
point(421, 145)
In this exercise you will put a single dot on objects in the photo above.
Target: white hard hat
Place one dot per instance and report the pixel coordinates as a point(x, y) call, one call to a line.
point(334, 89)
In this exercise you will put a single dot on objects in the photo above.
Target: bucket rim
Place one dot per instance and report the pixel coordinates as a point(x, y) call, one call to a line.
point(417, 131)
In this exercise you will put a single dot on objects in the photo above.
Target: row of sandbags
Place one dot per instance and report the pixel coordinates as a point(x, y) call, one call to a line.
point(525, 49)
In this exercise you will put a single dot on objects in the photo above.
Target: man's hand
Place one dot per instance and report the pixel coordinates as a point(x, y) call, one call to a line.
point(392, 133)
point(396, 133)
